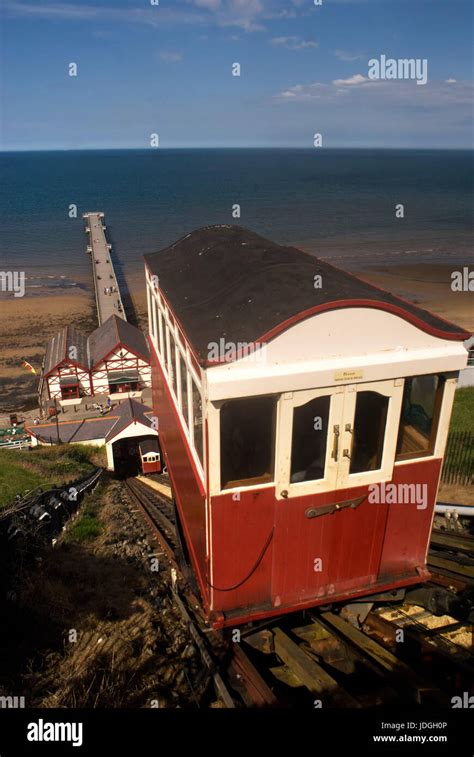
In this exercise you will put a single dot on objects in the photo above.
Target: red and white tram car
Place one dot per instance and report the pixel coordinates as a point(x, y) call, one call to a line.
point(150, 457)
point(303, 417)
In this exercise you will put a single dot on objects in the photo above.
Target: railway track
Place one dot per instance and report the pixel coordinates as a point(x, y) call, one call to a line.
point(319, 658)
point(158, 512)
point(157, 509)
point(451, 559)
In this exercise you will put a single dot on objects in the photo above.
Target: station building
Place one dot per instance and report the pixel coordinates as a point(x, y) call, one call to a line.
point(113, 361)
point(127, 433)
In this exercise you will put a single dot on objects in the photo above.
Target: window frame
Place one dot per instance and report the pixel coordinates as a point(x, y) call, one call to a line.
point(285, 488)
point(165, 329)
point(405, 457)
point(393, 389)
point(214, 465)
point(249, 483)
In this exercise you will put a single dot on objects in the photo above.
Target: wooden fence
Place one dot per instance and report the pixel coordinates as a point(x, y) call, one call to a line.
point(458, 465)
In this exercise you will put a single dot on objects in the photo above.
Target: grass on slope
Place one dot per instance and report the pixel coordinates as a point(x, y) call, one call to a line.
point(462, 418)
point(22, 470)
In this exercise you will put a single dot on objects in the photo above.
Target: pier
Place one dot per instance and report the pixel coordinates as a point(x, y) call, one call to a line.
point(107, 292)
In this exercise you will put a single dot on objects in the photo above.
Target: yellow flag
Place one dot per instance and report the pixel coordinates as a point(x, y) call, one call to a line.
point(28, 366)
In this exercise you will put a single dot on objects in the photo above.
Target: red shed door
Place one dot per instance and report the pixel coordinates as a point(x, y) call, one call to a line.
point(333, 443)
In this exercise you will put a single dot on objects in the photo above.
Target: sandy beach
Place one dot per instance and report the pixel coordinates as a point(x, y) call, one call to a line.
point(27, 323)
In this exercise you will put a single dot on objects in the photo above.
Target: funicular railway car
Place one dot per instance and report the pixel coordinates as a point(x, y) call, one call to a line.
point(150, 457)
point(303, 418)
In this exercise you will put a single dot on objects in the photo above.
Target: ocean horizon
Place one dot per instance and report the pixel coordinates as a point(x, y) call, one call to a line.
point(338, 203)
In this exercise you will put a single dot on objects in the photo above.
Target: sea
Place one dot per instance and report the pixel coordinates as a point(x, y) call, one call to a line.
point(356, 208)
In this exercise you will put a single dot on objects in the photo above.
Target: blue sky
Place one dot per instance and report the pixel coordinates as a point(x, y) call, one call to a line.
point(166, 69)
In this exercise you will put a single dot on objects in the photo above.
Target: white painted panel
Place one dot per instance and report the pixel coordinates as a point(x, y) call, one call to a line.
point(372, 344)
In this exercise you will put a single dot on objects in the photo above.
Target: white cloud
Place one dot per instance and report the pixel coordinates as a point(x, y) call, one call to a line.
point(170, 56)
point(243, 14)
point(304, 91)
point(348, 56)
point(367, 93)
point(450, 81)
point(240, 13)
point(209, 4)
point(154, 17)
point(52, 10)
point(294, 43)
point(351, 81)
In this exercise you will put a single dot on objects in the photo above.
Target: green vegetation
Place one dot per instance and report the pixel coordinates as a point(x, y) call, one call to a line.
point(462, 418)
point(87, 525)
point(23, 470)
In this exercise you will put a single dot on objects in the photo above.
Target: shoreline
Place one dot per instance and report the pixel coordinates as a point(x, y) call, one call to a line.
point(29, 322)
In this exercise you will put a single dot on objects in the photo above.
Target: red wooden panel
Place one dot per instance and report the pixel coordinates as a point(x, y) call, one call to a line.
point(409, 528)
point(151, 467)
point(240, 531)
point(360, 549)
point(329, 554)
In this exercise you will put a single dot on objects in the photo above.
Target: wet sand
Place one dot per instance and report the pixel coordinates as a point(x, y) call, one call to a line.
point(27, 323)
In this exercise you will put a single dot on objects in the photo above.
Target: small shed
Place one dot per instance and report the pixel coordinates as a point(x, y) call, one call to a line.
point(121, 431)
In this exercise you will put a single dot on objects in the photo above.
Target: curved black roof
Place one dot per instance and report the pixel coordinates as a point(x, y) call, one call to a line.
point(228, 282)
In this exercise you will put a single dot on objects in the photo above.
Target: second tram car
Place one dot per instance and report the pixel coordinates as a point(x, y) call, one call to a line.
point(150, 457)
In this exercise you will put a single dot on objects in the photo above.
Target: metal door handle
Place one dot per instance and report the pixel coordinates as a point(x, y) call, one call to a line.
point(335, 448)
point(315, 512)
point(346, 454)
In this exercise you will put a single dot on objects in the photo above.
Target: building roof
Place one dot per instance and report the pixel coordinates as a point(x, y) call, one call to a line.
point(130, 411)
point(67, 343)
point(226, 282)
point(89, 429)
point(115, 332)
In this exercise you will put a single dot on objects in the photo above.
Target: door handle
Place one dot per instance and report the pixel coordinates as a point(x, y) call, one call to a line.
point(346, 454)
point(335, 447)
point(316, 512)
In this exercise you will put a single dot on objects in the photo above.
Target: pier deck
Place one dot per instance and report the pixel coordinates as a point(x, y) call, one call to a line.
point(107, 292)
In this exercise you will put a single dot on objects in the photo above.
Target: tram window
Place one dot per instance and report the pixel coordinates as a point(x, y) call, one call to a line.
point(422, 397)
point(247, 440)
point(160, 331)
point(368, 432)
point(197, 421)
point(166, 351)
point(173, 365)
point(184, 388)
point(154, 322)
point(309, 441)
